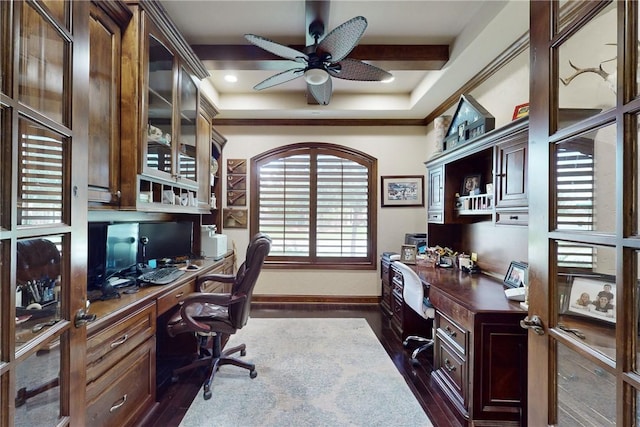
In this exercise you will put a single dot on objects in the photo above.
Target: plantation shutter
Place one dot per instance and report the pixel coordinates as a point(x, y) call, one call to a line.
point(41, 181)
point(314, 201)
point(575, 193)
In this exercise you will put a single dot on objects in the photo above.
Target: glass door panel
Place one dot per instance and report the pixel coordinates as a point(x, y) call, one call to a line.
point(188, 127)
point(37, 397)
point(43, 58)
point(160, 107)
point(585, 177)
point(586, 392)
point(586, 295)
point(42, 160)
point(587, 68)
point(38, 290)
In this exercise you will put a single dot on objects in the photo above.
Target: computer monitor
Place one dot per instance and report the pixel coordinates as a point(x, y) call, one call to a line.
point(165, 240)
point(121, 247)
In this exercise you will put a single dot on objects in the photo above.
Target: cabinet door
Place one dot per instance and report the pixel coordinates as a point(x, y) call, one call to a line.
point(187, 147)
point(512, 173)
point(104, 113)
point(435, 201)
point(158, 159)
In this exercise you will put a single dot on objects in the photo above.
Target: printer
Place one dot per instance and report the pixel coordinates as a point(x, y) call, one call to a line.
point(213, 245)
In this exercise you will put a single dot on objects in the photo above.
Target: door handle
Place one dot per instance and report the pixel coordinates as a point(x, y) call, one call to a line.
point(532, 323)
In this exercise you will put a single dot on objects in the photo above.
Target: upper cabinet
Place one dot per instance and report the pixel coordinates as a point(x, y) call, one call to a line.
point(481, 180)
point(162, 164)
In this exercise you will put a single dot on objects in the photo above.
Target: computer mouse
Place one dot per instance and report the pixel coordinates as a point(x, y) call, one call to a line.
point(192, 267)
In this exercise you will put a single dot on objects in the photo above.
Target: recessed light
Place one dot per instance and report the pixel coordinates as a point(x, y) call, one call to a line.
point(230, 78)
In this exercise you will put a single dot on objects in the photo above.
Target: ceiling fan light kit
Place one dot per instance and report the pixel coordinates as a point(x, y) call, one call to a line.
point(325, 58)
point(316, 76)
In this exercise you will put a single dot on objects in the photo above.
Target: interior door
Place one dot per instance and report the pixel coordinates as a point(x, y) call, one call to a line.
point(583, 230)
point(43, 228)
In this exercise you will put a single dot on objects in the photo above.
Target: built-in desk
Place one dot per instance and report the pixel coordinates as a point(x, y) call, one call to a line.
point(121, 346)
point(480, 350)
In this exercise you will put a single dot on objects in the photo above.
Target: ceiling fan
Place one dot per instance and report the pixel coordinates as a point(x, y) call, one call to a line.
point(325, 58)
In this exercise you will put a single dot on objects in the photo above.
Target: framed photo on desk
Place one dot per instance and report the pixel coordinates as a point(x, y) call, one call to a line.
point(408, 254)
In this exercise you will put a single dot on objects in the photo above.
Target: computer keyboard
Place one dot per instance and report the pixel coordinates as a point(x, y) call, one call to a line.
point(161, 276)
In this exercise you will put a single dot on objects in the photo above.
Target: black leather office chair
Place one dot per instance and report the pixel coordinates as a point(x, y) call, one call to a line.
point(210, 315)
point(413, 296)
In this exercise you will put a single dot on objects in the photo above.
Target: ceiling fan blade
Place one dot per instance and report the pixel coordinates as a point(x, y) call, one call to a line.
point(352, 69)
point(321, 93)
point(343, 38)
point(277, 48)
point(279, 78)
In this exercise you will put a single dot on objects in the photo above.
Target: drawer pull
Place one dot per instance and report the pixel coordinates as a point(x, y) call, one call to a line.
point(513, 217)
point(450, 331)
point(178, 295)
point(119, 404)
point(448, 365)
point(120, 341)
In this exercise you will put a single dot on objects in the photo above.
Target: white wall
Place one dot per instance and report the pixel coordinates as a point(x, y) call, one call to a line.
point(400, 150)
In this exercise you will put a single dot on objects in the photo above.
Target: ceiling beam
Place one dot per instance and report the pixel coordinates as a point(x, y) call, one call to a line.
point(385, 56)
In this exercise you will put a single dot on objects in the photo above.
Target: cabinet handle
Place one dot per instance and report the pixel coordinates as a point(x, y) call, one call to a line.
point(513, 217)
point(450, 331)
point(179, 294)
point(120, 341)
point(449, 366)
point(119, 404)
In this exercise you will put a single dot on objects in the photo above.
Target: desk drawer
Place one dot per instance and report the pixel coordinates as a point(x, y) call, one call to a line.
point(107, 347)
point(125, 392)
point(452, 369)
point(170, 299)
point(451, 332)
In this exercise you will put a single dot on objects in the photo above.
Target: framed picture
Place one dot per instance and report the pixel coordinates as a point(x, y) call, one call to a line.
point(593, 297)
point(408, 254)
point(406, 190)
point(521, 110)
point(471, 185)
point(516, 276)
point(234, 218)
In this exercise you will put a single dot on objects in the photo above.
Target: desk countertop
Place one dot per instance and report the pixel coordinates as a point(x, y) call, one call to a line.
point(475, 292)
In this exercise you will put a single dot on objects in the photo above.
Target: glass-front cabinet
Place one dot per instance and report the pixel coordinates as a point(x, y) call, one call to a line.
point(163, 172)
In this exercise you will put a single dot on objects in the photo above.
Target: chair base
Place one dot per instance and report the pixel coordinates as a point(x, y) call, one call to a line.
point(427, 343)
point(213, 360)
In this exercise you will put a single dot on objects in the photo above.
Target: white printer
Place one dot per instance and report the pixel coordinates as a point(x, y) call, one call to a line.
point(213, 245)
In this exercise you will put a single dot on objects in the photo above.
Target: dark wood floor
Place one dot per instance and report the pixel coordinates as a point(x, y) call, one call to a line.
point(175, 399)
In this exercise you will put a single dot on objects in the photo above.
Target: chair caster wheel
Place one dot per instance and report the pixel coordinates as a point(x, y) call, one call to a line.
point(207, 395)
point(253, 374)
point(405, 343)
point(415, 362)
point(243, 352)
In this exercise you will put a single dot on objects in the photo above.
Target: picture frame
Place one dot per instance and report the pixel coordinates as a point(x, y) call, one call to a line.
point(234, 218)
point(516, 276)
point(592, 296)
point(471, 185)
point(520, 111)
point(402, 190)
point(408, 254)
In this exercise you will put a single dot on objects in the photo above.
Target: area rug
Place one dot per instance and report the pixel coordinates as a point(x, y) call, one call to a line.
point(311, 372)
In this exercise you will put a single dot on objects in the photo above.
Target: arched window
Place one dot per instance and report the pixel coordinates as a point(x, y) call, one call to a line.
point(317, 202)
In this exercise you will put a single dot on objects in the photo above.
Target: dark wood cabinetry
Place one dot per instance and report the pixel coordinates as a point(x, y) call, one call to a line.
point(480, 350)
point(499, 159)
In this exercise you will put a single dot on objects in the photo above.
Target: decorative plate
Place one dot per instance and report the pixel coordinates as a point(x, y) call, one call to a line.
point(214, 166)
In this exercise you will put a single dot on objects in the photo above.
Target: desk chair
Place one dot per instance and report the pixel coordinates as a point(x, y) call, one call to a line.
point(413, 296)
point(209, 315)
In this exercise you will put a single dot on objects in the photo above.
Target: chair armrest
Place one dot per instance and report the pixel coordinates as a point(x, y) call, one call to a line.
point(223, 278)
point(196, 299)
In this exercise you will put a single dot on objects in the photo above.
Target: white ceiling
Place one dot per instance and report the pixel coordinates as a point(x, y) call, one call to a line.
point(476, 31)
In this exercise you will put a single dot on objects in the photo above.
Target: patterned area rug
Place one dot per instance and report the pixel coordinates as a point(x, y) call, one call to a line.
point(311, 372)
